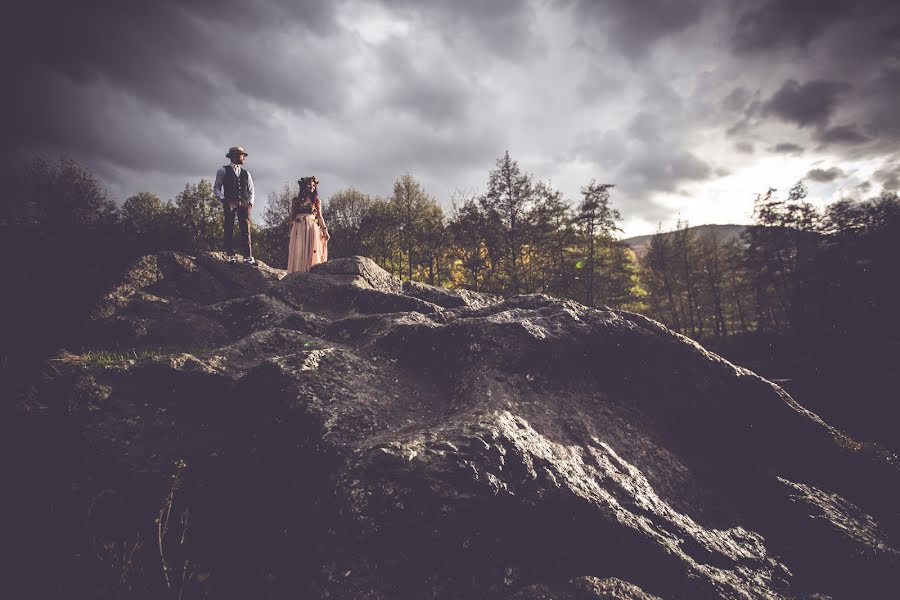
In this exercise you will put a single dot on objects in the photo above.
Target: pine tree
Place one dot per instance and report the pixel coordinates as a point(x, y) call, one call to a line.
point(466, 230)
point(409, 202)
point(507, 205)
point(597, 220)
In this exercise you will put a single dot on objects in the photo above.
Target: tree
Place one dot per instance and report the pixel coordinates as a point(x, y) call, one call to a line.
point(780, 251)
point(619, 286)
point(712, 272)
point(344, 214)
point(408, 202)
point(686, 252)
point(732, 255)
point(507, 204)
point(856, 265)
point(200, 216)
point(149, 223)
point(552, 237)
point(597, 220)
point(145, 213)
point(271, 243)
point(466, 228)
point(380, 241)
point(62, 194)
point(433, 242)
point(661, 279)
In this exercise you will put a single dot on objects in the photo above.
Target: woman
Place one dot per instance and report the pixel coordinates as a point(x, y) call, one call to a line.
point(308, 243)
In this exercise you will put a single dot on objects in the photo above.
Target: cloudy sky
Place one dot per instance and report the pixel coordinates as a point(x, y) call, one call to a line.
point(689, 106)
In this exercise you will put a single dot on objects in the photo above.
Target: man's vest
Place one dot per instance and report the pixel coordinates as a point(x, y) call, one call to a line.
point(235, 188)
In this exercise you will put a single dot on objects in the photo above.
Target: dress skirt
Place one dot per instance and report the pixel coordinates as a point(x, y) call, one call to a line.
point(307, 246)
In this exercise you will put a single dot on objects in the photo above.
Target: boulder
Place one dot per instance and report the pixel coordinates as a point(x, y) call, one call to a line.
point(340, 434)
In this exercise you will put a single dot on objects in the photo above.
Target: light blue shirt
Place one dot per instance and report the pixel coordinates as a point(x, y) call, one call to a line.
point(220, 181)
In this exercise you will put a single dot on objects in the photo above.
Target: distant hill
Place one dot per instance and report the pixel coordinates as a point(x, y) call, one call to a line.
point(641, 243)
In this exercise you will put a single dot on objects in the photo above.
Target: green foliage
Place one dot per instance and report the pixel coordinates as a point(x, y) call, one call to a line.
point(507, 205)
point(199, 217)
point(146, 214)
point(270, 243)
point(468, 249)
point(596, 221)
point(553, 239)
point(408, 204)
point(433, 254)
point(61, 193)
point(381, 241)
point(344, 214)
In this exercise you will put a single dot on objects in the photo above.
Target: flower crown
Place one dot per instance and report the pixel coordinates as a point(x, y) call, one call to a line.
point(303, 181)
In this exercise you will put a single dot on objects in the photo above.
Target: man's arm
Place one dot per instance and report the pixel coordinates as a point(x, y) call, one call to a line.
point(250, 191)
point(220, 181)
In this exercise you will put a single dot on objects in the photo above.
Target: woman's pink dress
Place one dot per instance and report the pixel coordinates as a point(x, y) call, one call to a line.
point(307, 245)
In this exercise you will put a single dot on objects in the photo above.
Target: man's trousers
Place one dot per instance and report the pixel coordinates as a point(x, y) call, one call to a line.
point(243, 216)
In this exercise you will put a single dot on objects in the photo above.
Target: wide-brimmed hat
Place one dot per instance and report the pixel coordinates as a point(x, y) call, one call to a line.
point(235, 150)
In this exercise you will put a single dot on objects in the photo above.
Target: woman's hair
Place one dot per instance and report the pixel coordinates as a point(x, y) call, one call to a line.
point(304, 193)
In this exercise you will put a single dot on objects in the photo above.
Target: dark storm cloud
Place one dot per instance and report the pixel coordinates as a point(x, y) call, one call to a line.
point(738, 100)
point(504, 27)
point(810, 103)
point(889, 177)
point(158, 59)
point(879, 115)
point(428, 88)
point(825, 175)
point(645, 127)
point(844, 134)
point(763, 26)
point(634, 26)
point(158, 49)
point(99, 125)
point(604, 148)
point(774, 25)
point(786, 148)
point(659, 169)
point(598, 83)
point(831, 44)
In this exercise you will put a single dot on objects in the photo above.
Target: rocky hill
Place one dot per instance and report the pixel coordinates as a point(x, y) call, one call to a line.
point(228, 431)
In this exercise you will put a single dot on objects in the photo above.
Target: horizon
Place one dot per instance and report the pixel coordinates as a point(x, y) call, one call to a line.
point(690, 109)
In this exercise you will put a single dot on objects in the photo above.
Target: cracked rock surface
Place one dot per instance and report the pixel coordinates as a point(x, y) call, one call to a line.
point(340, 434)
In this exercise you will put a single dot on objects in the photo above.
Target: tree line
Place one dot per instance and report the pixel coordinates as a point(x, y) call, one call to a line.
point(796, 270)
point(519, 236)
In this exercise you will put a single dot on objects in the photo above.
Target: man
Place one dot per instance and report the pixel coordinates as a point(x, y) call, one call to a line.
point(234, 188)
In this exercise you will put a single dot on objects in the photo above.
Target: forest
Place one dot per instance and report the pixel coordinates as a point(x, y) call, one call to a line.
point(797, 293)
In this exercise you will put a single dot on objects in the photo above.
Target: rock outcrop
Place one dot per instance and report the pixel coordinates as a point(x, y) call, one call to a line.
point(231, 432)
